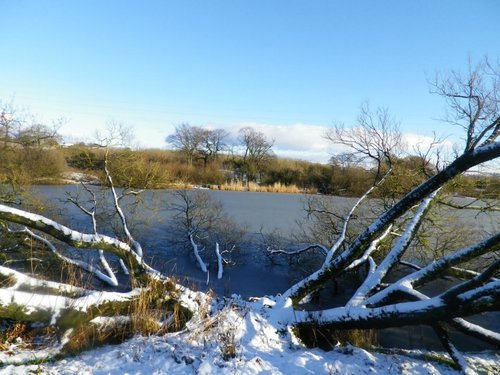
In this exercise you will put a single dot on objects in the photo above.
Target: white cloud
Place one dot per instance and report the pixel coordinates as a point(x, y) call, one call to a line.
point(296, 137)
point(418, 142)
point(297, 141)
point(307, 142)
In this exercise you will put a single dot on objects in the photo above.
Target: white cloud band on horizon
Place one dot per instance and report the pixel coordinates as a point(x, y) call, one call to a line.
point(308, 142)
point(297, 141)
point(294, 141)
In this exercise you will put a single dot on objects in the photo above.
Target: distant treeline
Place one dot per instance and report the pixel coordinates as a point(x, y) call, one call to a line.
point(164, 168)
point(31, 152)
point(23, 163)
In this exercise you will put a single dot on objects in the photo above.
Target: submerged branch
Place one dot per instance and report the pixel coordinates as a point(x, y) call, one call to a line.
point(321, 247)
point(196, 253)
point(136, 246)
point(219, 261)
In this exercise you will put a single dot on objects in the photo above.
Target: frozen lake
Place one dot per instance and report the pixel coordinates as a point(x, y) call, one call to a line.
point(254, 275)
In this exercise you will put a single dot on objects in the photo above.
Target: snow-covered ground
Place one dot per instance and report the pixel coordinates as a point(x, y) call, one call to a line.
point(204, 347)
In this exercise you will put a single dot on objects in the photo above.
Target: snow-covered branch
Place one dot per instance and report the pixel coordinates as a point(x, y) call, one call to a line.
point(196, 253)
point(476, 331)
point(136, 246)
point(426, 311)
point(108, 278)
point(219, 261)
point(337, 264)
point(58, 304)
point(392, 258)
point(309, 282)
point(367, 254)
point(475, 282)
point(75, 238)
point(341, 238)
point(455, 354)
point(437, 268)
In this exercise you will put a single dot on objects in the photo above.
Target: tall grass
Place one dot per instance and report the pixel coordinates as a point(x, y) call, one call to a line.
point(277, 187)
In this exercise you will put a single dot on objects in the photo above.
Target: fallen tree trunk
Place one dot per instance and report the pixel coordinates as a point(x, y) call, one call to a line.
point(334, 267)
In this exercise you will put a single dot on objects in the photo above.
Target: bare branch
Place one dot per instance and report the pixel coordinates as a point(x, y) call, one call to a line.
point(471, 205)
point(321, 247)
point(373, 280)
point(109, 279)
point(473, 101)
point(436, 269)
point(376, 137)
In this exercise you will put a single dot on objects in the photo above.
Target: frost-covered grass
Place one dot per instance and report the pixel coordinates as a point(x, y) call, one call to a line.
point(236, 340)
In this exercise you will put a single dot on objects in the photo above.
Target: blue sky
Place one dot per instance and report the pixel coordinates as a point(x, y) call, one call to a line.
point(289, 68)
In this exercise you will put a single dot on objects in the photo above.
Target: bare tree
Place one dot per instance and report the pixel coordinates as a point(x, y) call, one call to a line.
point(473, 101)
point(187, 139)
point(23, 145)
point(213, 141)
point(256, 149)
point(197, 142)
point(39, 135)
point(10, 123)
point(375, 138)
point(17, 127)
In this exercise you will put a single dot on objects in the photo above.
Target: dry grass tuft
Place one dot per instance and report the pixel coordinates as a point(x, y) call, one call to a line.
point(91, 335)
point(156, 310)
point(25, 335)
point(7, 281)
point(277, 187)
